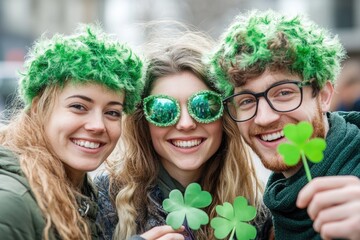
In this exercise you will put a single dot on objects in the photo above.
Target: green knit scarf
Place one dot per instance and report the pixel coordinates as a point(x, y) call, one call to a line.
point(341, 157)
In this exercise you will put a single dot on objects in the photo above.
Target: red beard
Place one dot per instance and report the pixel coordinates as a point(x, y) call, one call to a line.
point(275, 163)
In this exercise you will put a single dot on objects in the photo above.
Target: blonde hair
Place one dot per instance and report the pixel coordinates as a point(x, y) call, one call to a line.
point(227, 174)
point(25, 136)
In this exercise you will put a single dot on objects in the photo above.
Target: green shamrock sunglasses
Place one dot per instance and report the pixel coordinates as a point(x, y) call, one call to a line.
point(163, 111)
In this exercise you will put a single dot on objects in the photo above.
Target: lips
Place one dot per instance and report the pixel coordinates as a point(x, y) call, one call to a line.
point(272, 136)
point(87, 144)
point(187, 143)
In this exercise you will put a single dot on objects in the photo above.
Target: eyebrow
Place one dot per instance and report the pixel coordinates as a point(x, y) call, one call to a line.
point(92, 101)
point(285, 80)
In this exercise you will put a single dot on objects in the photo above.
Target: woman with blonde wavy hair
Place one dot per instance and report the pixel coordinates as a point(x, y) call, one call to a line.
point(75, 89)
point(167, 147)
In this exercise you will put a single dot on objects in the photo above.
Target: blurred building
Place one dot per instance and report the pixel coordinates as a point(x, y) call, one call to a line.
point(22, 21)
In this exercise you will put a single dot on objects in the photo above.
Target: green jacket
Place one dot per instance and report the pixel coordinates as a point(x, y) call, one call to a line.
point(20, 216)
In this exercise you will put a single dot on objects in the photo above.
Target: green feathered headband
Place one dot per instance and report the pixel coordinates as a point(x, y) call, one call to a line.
point(310, 51)
point(90, 55)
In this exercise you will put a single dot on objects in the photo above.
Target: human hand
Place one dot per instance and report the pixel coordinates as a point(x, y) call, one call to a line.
point(333, 203)
point(164, 233)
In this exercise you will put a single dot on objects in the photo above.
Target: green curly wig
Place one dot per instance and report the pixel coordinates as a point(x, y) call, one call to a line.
point(89, 55)
point(263, 39)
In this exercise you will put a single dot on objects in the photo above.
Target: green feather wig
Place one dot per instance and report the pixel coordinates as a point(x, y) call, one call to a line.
point(89, 55)
point(262, 40)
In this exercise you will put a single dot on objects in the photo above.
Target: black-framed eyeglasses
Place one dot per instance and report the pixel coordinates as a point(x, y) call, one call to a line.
point(284, 96)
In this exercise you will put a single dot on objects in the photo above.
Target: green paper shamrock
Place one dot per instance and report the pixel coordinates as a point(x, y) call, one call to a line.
point(299, 145)
point(180, 207)
point(232, 219)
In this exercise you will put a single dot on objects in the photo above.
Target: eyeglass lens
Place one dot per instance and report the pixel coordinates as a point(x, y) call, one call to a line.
point(204, 107)
point(161, 110)
point(283, 97)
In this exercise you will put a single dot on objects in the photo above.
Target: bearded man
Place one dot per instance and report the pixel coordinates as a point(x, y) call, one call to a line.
point(279, 70)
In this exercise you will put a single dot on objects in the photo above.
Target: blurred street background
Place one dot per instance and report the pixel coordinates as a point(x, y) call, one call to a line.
point(23, 21)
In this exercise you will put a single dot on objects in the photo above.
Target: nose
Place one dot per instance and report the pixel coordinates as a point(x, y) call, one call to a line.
point(265, 114)
point(95, 123)
point(186, 122)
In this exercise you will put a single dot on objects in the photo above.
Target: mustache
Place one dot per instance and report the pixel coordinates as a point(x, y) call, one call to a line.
point(256, 130)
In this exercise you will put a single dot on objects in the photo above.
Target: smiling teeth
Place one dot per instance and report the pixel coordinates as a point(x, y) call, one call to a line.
point(273, 136)
point(87, 144)
point(186, 144)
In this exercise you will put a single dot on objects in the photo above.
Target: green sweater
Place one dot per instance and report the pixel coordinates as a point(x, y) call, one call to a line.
point(20, 216)
point(341, 157)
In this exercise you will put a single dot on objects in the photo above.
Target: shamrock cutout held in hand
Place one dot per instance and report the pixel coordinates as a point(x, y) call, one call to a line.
point(233, 219)
point(180, 207)
point(300, 145)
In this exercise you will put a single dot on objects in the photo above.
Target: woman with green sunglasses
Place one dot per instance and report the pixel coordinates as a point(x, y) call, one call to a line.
point(178, 135)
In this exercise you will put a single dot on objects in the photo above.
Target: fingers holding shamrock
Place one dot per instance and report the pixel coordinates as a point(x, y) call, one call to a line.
point(331, 202)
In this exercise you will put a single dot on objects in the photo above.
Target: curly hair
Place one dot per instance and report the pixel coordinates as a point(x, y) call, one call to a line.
point(88, 56)
point(227, 174)
point(257, 41)
point(25, 136)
